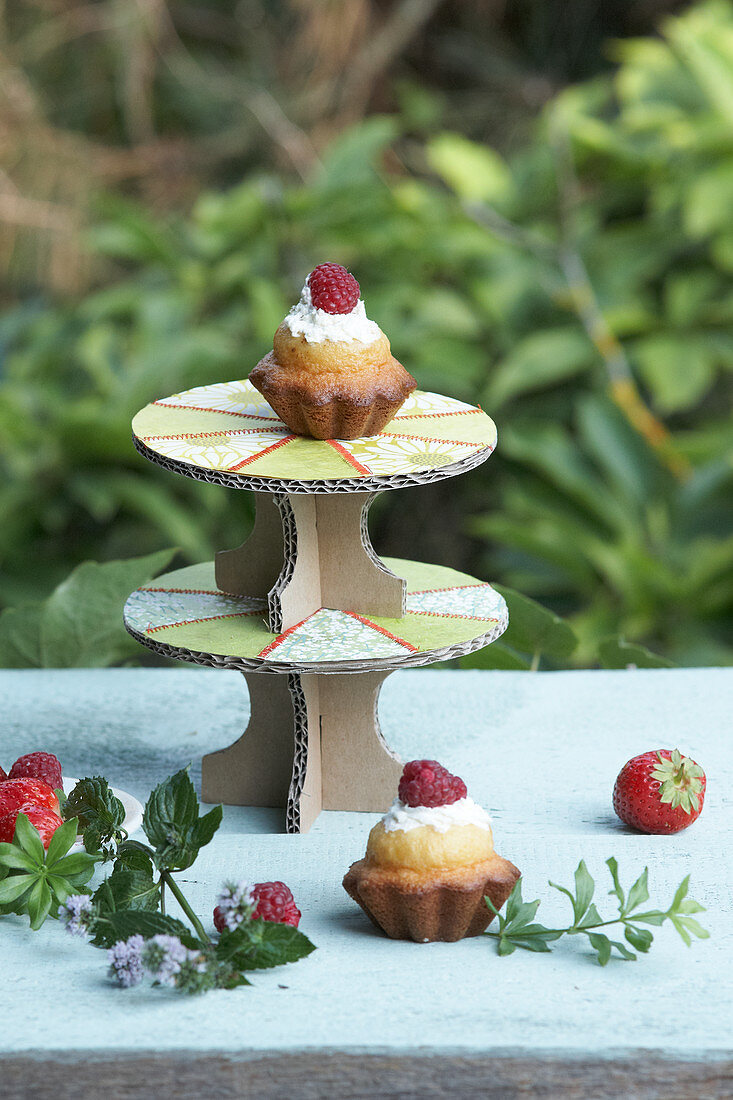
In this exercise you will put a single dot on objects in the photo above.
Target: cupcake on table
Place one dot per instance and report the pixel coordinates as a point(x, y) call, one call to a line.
point(430, 862)
point(331, 374)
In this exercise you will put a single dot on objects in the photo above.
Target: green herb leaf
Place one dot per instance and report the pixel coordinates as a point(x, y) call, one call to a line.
point(99, 812)
point(602, 944)
point(125, 889)
point(14, 858)
point(110, 927)
point(639, 892)
point(260, 944)
point(640, 938)
point(27, 837)
point(617, 889)
point(13, 887)
point(39, 903)
point(61, 841)
point(172, 824)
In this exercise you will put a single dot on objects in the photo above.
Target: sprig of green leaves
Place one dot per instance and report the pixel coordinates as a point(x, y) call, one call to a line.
point(517, 928)
point(35, 881)
point(98, 815)
point(130, 901)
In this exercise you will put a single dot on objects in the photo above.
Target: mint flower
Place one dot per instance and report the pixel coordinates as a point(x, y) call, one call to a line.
point(236, 903)
point(163, 956)
point(125, 963)
point(76, 914)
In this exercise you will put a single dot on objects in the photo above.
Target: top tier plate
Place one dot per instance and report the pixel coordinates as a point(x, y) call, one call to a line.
point(228, 434)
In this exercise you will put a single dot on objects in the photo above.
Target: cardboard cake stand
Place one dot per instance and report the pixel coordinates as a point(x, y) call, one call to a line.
point(306, 599)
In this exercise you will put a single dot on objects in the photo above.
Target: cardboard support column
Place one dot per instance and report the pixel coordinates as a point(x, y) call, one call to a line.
point(257, 769)
point(313, 742)
point(253, 568)
point(330, 562)
point(358, 770)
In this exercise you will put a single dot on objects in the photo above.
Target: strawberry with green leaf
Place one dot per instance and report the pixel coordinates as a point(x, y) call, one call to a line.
point(659, 792)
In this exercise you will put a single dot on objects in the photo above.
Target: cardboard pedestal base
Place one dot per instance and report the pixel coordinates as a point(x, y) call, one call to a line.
point(313, 742)
point(307, 552)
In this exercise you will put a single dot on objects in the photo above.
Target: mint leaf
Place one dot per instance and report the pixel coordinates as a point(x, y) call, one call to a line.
point(172, 824)
point(109, 927)
point(127, 889)
point(260, 945)
point(99, 814)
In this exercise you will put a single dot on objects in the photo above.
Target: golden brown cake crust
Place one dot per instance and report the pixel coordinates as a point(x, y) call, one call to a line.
point(334, 390)
point(436, 905)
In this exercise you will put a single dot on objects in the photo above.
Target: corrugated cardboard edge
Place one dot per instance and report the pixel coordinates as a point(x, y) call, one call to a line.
point(374, 483)
point(387, 664)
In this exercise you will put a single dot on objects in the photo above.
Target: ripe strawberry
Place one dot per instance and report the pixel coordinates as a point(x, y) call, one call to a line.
point(38, 765)
point(428, 783)
point(46, 821)
point(333, 289)
point(659, 792)
point(3, 775)
point(15, 792)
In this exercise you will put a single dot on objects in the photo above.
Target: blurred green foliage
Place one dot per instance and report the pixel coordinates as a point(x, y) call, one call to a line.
point(580, 291)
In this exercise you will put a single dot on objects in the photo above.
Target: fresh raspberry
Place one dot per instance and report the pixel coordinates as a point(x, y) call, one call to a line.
point(333, 289)
point(38, 765)
point(273, 901)
point(659, 792)
point(3, 775)
point(428, 783)
point(15, 792)
point(46, 821)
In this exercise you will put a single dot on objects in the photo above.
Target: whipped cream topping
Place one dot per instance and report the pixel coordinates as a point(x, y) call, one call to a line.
point(317, 326)
point(463, 812)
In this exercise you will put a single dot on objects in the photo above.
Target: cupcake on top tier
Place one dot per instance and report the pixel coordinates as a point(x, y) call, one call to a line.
point(331, 374)
point(430, 861)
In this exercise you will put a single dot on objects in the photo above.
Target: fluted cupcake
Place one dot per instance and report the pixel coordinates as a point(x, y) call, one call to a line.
point(430, 861)
point(331, 374)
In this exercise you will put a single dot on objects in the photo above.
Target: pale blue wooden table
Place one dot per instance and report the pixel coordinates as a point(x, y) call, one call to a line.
point(366, 1016)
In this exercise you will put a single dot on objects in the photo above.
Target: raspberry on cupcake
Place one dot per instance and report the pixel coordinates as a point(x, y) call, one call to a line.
point(430, 861)
point(331, 374)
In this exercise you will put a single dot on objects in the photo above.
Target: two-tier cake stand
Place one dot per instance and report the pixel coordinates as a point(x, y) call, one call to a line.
point(305, 599)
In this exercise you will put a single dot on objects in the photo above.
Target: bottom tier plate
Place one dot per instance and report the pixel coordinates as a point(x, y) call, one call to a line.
point(183, 615)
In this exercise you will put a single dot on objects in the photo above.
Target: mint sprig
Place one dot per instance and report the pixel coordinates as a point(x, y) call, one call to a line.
point(35, 882)
point(126, 914)
point(98, 815)
point(517, 928)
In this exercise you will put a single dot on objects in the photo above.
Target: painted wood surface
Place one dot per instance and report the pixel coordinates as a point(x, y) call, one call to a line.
point(541, 753)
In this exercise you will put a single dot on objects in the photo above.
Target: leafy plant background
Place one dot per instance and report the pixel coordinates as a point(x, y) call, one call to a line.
point(539, 209)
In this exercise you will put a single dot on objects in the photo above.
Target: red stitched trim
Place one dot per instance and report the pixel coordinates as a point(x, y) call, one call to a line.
point(281, 637)
point(206, 619)
point(451, 412)
point(260, 454)
point(203, 592)
point(209, 435)
point(203, 409)
point(448, 588)
point(448, 615)
point(381, 630)
point(432, 439)
point(349, 457)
